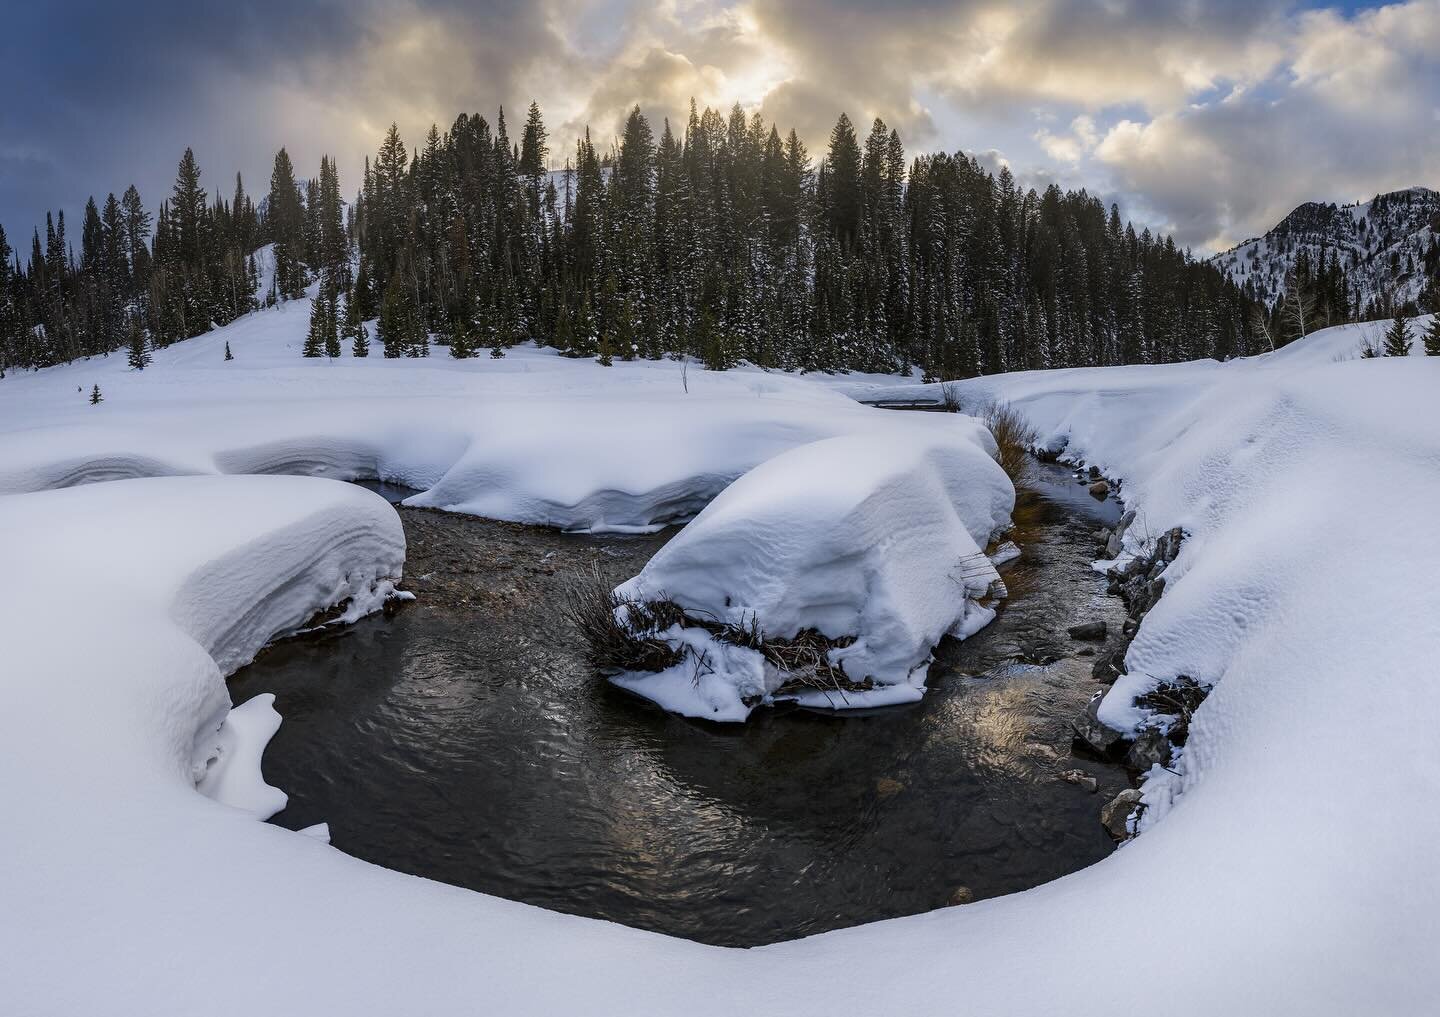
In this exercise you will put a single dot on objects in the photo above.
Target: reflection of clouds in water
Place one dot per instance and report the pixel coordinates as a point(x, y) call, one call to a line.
point(990, 725)
point(656, 822)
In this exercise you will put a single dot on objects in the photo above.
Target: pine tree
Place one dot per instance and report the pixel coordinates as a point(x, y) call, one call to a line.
point(228, 355)
point(286, 226)
point(315, 337)
point(95, 396)
point(331, 323)
point(1432, 337)
point(1398, 338)
point(139, 358)
point(354, 331)
point(564, 339)
point(394, 328)
point(460, 346)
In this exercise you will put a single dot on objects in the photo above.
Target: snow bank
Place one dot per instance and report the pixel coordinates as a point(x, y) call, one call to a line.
point(531, 437)
point(875, 538)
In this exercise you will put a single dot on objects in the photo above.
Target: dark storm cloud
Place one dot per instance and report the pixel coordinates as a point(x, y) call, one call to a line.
point(99, 95)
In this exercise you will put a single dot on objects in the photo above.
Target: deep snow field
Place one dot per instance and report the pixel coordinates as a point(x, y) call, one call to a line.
point(1284, 864)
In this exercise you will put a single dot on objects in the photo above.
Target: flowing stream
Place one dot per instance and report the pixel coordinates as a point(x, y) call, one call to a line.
point(463, 739)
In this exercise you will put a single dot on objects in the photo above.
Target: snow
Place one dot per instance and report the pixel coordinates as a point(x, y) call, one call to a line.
point(1284, 866)
point(531, 437)
point(877, 537)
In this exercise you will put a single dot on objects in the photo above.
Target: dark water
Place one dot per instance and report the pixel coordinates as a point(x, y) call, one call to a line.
point(463, 740)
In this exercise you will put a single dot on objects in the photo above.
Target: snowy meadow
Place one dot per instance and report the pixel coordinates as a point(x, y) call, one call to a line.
point(1277, 858)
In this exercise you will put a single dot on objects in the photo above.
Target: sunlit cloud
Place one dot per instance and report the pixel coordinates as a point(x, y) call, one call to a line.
point(1210, 118)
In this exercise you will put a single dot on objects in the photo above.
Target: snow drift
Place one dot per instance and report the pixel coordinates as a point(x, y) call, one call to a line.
point(531, 437)
point(875, 542)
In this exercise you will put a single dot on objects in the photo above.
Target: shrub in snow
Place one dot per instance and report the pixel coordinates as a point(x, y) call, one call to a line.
point(826, 574)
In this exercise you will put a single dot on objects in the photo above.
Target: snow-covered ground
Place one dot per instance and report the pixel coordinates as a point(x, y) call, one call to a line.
point(531, 437)
point(1286, 864)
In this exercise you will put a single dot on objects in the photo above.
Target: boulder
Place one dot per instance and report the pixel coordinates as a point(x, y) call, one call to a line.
point(1167, 548)
point(1100, 489)
point(1087, 630)
point(1115, 815)
point(1097, 737)
point(1109, 666)
point(1149, 749)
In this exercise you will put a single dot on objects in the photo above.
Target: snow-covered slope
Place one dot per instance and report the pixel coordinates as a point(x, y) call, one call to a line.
point(531, 437)
point(1286, 868)
point(1381, 243)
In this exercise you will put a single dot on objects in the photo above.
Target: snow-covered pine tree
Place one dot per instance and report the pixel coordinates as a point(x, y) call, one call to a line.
point(1398, 338)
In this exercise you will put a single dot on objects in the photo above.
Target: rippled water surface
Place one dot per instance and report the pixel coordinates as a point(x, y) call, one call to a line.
point(464, 740)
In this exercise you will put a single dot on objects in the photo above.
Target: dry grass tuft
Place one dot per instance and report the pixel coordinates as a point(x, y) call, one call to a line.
point(591, 606)
point(1013, 434)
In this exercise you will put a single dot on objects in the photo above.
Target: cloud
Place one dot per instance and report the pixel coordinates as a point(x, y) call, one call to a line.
point(1208, 117)
point(1355, 113)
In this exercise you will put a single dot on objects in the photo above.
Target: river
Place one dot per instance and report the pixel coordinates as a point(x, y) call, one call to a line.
point(463, 739)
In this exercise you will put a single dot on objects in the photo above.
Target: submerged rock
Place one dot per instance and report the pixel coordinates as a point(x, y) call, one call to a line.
point(1088, 630)
point(1080, 779)
point(962, 895)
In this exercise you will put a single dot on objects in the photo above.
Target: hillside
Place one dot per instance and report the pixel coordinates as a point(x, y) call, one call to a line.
point(1384, 243)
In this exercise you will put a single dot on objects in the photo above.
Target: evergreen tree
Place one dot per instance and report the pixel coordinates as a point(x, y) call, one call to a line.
point(95, 396)
point(139, 357)
point(1432, 337)
point(228, 355)
point(285, 225)
point(1398, 338)
point(394, 327)
point(330, 323)
point(460, 342)
point(315, 337)
point(354, 331)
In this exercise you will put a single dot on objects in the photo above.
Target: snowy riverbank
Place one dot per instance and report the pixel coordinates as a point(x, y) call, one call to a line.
point(1285, 868)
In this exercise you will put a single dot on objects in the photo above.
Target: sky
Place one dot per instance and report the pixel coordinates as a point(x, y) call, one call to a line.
point(1208, 119)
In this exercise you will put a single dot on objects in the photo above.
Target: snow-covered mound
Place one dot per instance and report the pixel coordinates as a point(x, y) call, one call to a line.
point(530, 437)
point(875, 540)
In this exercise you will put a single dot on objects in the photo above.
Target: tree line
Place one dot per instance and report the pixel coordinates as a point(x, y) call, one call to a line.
point(722, 240)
